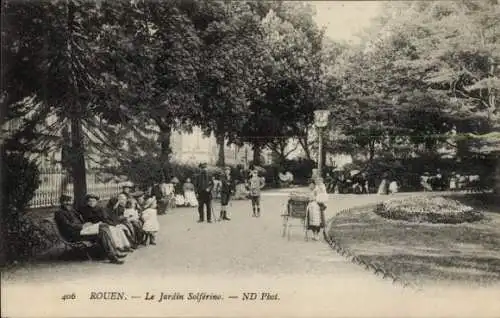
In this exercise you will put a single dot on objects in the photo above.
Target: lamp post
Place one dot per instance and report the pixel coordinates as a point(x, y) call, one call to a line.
point(320, 121)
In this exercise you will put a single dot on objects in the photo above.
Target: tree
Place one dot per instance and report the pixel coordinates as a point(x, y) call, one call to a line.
point(55, 58)
point(231, 57)
point(290, 88)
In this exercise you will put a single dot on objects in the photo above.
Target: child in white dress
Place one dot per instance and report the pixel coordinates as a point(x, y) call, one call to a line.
point(149, 215)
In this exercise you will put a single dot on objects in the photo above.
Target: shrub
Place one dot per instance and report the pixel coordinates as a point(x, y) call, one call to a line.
point(20, 179)
point(145, 171)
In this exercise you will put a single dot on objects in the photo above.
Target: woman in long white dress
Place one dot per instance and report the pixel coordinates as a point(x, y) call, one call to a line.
point(189, 195)
point(382, 188)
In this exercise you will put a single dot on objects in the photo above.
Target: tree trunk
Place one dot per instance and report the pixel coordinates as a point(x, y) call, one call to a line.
point(371, 153)
point(221, 159)
point(496, 188)
point(165, 150)
point(305, 146)
point(78, 169)
point(323, 153)
point(257, 151)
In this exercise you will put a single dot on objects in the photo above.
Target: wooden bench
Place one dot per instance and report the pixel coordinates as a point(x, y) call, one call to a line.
point(52, 229)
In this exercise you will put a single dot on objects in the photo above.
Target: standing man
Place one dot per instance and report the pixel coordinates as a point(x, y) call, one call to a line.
point(203, 187)
point(227, 189)
point(255, 184)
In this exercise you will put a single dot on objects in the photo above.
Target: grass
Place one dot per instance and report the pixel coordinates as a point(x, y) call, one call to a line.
point(425, 253)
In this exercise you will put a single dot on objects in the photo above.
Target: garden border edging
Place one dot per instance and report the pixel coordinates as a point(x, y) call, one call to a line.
point(370, 266)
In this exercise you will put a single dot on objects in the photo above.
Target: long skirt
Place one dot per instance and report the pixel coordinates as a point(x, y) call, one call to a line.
point(453, 185)
point(190, 198)
point(382, 188)
point(179, 200)
point(315, 216)
point(151, 223)
point(119, 238)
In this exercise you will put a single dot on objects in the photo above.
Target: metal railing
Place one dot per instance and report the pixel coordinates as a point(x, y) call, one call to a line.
point(53, 185)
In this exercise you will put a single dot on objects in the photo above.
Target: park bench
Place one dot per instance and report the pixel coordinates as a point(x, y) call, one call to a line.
point(52, 230)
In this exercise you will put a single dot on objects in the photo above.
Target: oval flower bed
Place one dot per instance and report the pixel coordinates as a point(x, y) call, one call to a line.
point(428, 209)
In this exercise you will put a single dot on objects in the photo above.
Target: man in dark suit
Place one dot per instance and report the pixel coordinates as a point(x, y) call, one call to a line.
point(71, 223)
point(203, 188)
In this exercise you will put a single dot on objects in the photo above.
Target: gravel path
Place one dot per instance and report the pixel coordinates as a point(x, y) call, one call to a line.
point(245, 253)
point(243, 246)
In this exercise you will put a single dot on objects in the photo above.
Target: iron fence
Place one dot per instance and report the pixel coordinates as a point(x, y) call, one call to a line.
point(55, 182)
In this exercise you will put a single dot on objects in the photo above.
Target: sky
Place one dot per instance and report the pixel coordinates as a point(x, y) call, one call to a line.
point(344, 19)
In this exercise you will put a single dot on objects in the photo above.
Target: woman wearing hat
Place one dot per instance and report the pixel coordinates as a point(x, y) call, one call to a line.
point(71, 224)
point(189, 195)
point(226, 190)
point(92, 213)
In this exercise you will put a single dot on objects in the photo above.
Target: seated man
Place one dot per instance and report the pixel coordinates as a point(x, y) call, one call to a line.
point(71, 224)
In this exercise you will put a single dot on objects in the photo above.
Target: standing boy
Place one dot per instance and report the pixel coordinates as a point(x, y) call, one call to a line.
point(227, 188)
point(255, 184)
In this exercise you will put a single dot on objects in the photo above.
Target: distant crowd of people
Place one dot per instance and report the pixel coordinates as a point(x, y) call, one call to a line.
point(360, 183)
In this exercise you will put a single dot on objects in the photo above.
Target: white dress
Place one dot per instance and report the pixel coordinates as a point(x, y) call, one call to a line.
point(393, 187)
point(382, 187)
point(150, 218)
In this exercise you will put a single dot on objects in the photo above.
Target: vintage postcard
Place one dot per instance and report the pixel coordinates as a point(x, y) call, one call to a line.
point(209, 158)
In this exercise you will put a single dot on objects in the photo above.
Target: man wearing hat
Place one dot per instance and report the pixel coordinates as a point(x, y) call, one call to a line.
point(203, 187)
point(227, 188)
point(71, 223)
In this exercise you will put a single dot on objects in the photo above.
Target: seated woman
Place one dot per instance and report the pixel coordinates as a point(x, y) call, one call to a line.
point(132, 213)
point(178, 192)
point(149, 216)
point(168, 195)
point(189, 195)
point(92, 213)
point(116, 209)
point(71, 225)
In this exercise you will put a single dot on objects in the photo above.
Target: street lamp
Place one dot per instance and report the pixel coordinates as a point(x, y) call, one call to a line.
point(320, 121)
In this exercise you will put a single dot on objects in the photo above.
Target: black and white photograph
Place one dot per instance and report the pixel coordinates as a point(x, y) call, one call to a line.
point(225, 158)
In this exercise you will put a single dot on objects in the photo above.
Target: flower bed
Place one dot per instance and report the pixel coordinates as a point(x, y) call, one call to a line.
point(428, 209)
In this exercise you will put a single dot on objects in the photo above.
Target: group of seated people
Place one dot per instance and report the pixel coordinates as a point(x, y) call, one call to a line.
point(173, 194)
point(128, 220)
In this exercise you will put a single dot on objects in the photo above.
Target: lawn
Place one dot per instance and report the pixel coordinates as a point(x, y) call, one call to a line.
point(426, 253)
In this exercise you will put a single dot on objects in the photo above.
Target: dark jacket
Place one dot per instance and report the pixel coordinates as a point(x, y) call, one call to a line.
point(95, 215)
point(202, 182)
point(69, 223)
point(228, 185)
